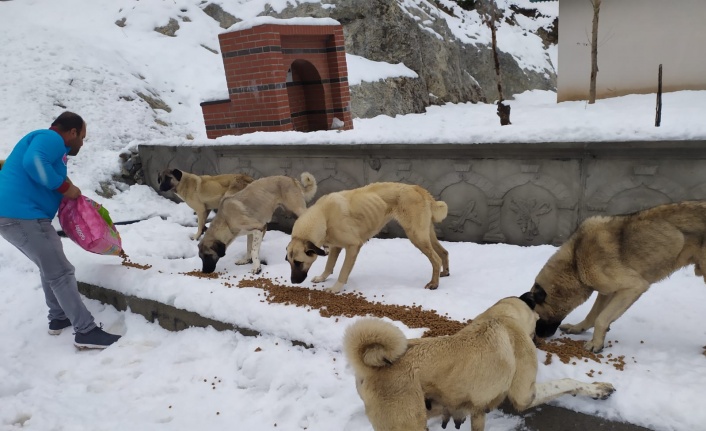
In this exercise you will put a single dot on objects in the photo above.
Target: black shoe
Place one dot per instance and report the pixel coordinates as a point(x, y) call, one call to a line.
point(96, 338)
point(56, 325)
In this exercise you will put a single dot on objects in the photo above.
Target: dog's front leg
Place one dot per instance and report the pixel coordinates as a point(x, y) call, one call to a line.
point(255, 254)
point(619, 302)
point(589, 321)
point(330, 264)
point(351, 255)
point(248, 252)
point(201, 215)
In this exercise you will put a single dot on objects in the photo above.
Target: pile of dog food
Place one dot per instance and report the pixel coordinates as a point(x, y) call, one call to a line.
point(353, 304)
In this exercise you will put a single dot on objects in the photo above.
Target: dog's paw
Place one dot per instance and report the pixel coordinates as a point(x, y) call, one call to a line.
point(593, 346)
point(319, 278)
point(195, 236)
point(431, 285)
point(243, 261)
point(444, 273)
point(335, 288)
point(601, 390)
point(256, 270)
point(571, 329)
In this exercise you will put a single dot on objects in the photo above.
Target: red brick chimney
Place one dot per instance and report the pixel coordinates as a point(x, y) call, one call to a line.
point(281, 77)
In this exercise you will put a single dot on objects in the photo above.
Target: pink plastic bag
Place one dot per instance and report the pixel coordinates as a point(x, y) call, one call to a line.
point(88, 224)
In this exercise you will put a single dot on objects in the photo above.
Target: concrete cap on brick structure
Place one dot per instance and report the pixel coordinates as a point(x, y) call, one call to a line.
point(263, 20)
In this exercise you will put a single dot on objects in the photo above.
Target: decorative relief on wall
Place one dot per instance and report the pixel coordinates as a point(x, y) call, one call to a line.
point(636, 199)
point(405, 174)
point(468, 214)
point(467, 195)
point(536, 208)
point(528, 213)
point(644, 189)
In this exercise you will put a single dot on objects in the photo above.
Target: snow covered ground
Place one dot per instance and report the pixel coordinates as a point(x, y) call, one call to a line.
point(70, 55)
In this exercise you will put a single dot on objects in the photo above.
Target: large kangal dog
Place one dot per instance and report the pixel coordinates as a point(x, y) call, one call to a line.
point(202, 193)
point(347, 219)
point(470, 372)
point(619, 257)
point(248, 211)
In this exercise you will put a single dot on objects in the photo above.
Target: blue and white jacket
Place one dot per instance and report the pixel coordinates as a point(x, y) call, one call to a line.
point(32, 173)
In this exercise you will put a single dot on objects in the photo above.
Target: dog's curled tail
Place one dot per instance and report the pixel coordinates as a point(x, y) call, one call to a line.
point(439, 211)
point(373, 343)
point(308, 185)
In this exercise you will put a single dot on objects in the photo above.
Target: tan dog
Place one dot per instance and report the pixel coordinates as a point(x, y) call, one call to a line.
point(347, 219)
point(248, 211)
point(619, 257)
point(202, 193)
point(474, 370)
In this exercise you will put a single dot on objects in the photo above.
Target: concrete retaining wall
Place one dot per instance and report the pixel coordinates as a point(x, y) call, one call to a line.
point(523, 194)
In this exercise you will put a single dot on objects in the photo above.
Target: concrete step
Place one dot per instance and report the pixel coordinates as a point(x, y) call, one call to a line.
point(542, 418)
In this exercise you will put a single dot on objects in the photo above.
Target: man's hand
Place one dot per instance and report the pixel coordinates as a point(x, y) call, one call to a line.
point(73, 192)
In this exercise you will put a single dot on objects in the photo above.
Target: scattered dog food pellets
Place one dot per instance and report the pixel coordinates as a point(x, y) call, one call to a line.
point(127, 262)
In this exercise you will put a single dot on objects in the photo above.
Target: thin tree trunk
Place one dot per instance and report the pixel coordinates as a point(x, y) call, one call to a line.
point(594, 51)
point(658, 115)
point(503, 109)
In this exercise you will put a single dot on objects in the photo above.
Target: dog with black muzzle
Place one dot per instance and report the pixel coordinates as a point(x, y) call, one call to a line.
point(347, 219)
point(202, 193)
point(619, 257)
point(248, 211)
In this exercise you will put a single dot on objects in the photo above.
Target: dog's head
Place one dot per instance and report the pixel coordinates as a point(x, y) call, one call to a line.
point(520, 310)
point(210, 252)
point(301, 254)
point(556, 292)
point(168, 179)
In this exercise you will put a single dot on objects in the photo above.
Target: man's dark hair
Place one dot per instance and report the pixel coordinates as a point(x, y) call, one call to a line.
point(67, 121)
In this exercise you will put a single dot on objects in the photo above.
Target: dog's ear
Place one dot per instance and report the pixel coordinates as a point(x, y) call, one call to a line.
point(311, 249)
point(219, 248)
point(538, 294)
point(528, 299)
point(177, 174)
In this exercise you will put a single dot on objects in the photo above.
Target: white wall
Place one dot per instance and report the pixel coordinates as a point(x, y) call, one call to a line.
point(634, 38)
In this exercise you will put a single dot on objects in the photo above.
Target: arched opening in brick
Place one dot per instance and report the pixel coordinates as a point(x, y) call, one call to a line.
point(307, 97)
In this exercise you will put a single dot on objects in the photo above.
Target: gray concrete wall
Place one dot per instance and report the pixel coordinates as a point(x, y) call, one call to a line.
point(523, 194)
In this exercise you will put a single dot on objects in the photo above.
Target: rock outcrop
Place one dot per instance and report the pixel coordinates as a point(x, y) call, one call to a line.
point(449, 70)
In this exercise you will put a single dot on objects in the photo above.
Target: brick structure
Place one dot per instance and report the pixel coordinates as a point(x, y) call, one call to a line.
point(281, 77)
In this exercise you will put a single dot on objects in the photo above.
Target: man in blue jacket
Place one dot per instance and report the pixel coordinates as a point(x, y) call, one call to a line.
point(33, 182)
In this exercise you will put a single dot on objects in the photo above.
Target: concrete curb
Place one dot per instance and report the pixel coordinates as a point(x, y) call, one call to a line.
point(543, 418)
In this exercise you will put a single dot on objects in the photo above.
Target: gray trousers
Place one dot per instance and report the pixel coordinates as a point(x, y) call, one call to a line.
point(38, 240)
